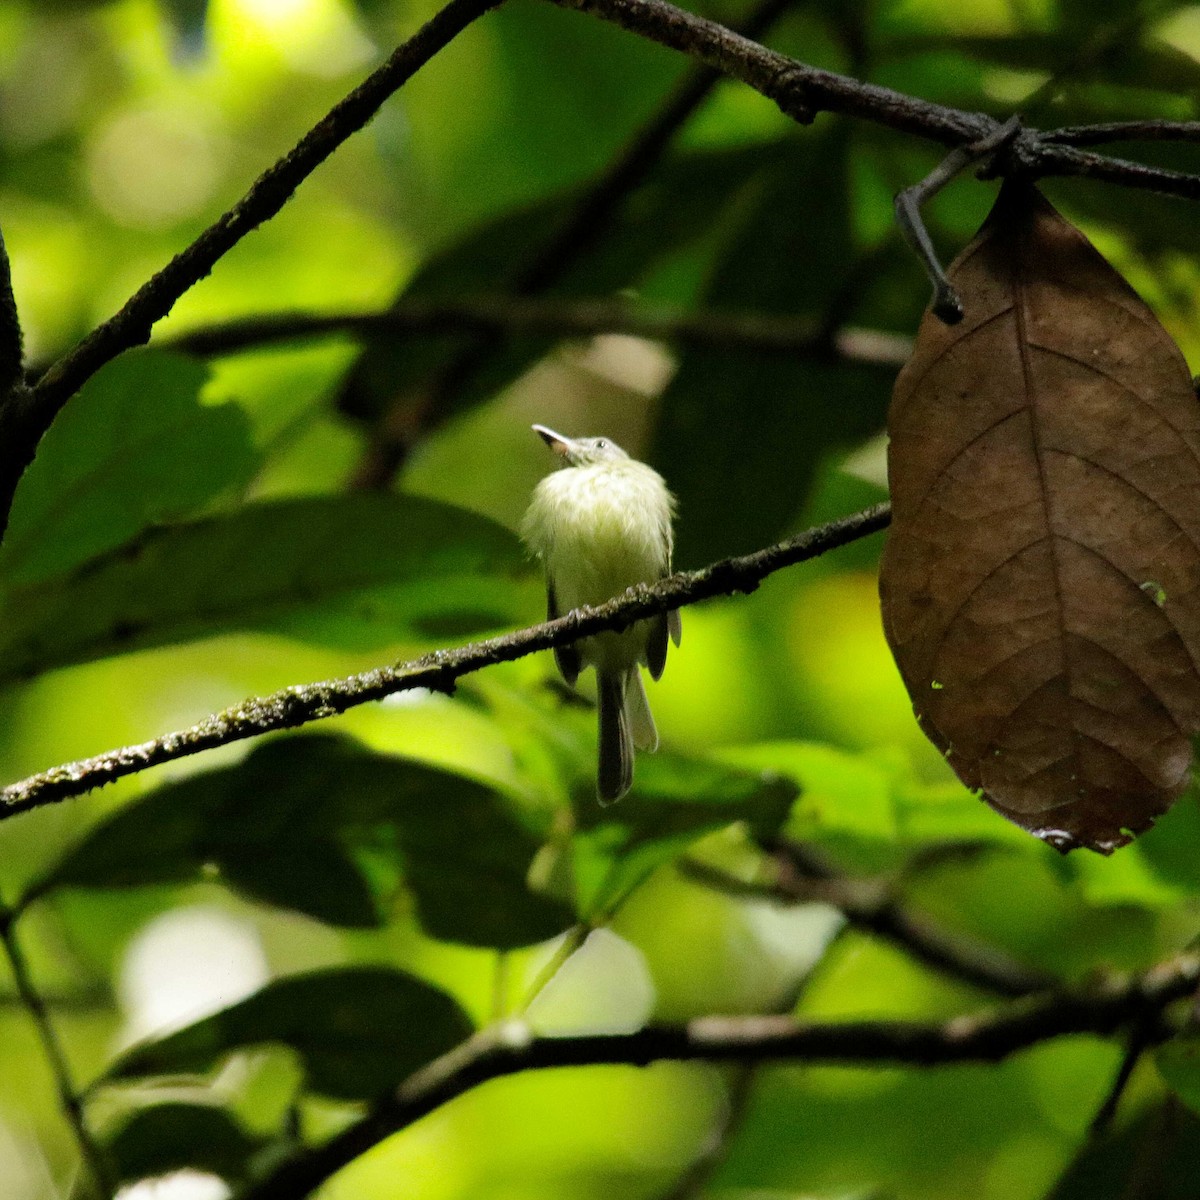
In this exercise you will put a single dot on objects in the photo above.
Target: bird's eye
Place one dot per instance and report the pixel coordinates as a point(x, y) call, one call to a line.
point(601, 444)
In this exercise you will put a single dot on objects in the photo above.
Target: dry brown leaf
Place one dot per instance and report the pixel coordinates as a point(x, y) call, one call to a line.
point(1041, 580)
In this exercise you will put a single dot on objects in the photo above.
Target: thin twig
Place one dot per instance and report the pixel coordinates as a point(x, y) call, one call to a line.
point(1124, 131)
point(131, 326)
point(584, 225)
point(295, 706)
point(512, 1048)
point(700, 1171)
point(571, 942)
point(1144, 1035)
point(68, 1096)
point(515, 316)
point(871, 905)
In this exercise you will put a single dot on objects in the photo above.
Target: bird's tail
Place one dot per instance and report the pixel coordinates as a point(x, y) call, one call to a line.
point(625, 722)
point(614, 775)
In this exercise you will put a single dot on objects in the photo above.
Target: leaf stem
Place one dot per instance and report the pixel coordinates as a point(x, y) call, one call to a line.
point(571, 941)
point(946, 304)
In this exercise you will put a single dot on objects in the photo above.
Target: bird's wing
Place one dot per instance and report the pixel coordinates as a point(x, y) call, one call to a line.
point(675, 625)
point(566, 656)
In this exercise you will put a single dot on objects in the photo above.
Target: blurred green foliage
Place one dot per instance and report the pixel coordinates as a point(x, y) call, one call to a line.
point(238, 950)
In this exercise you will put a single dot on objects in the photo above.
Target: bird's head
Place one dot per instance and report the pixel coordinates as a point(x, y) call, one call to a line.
point(581, 452)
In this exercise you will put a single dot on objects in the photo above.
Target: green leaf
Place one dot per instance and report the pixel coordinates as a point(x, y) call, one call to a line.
point(168, 1137)
point(674, 803)
point(741, 424)
point(1178, 1062)
point(968, 1130)
point(1129, 63)
point(1158, 1154)
point(135, 447)
point(267, 828)
point(188, 18)
point(1154, 225)
point(359, 570)
point(358, 1031)
point(1169, 849)
point(299, 820)
point(677, 207)
point(839, 792)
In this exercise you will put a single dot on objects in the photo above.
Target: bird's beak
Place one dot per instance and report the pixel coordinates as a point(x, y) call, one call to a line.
point(559, 444)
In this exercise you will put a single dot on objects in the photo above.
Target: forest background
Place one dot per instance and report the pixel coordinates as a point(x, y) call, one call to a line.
point(303, 478)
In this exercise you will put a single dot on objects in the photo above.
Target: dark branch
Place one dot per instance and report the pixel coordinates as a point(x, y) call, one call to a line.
point(438, 671)
point(509, 1049)
point(1144, 1035)
point(792, 85)
point(267, 195)
point(1124, 131)
point(516, 315)
point(796, 87)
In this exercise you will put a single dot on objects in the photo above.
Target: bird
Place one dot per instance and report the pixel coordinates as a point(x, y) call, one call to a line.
point(600, 524)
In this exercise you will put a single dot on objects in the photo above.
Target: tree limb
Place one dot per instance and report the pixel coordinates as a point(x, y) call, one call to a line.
point(509, 1049)
point(437, 671)
point(1124, 131)
point(801, 89)
point(763, 332)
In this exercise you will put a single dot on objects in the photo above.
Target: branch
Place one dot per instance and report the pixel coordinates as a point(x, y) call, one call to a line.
point(438, 671)
point(516, 315)
point(510, 1049)
point(1124, 131)
point(68, 1097)
point(798, 88)
point(872, 906)
point(267, 195)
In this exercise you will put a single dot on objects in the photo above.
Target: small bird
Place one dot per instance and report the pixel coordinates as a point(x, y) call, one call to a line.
point(600, 525)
